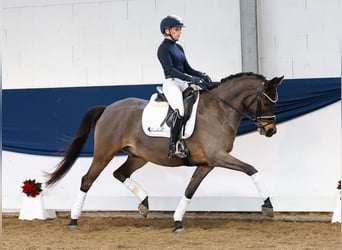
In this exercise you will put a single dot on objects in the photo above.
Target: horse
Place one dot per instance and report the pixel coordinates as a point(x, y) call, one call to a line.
point(118, 127)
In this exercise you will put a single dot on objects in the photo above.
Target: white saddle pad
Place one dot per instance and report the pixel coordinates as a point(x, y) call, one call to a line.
point(155, 113)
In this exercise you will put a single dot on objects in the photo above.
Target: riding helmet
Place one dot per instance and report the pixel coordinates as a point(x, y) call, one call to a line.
point(169, 22)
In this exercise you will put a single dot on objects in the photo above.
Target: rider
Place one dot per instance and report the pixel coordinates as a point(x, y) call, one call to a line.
point(178, 75)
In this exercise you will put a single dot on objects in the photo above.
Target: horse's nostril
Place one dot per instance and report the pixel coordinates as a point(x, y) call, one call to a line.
point(271, 132)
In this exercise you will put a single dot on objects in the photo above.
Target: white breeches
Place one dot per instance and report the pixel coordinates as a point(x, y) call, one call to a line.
point(173, 90)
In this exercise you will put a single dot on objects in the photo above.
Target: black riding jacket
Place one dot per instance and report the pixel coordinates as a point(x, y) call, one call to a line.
point(172, 58)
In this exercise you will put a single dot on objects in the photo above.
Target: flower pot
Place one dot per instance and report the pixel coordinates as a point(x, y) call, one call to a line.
point(33, 208)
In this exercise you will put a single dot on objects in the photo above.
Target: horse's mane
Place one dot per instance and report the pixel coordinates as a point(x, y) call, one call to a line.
point(242, 74)
point(235, 76)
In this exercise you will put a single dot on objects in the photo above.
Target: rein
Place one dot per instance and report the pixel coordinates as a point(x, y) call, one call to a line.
point(258, 117)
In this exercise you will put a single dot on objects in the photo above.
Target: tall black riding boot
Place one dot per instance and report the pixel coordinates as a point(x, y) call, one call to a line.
point(176, 146)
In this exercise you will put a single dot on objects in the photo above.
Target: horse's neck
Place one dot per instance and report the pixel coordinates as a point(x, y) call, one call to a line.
point(236, 96)
point(225, 99)
point(232, 93)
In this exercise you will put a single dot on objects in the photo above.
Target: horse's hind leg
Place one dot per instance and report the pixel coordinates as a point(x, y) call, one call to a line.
point(96, 167)
point(123, 174)
point(196, 179)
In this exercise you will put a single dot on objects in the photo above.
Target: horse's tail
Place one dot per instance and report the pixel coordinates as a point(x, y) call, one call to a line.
point(75, 147)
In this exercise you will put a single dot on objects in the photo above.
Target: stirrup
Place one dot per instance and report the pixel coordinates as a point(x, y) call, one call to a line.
point(180, 150)
point(177, 150)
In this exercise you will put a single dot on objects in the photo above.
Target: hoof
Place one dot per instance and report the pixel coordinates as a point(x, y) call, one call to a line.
point(179, 228)
point(143, 210)
point(73, 224)
point(268, 212)
point(179, 231)
point(267, 208)
point(72, 227)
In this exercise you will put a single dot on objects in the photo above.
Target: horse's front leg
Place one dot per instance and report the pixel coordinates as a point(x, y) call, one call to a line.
point(266, 208)
point(196, 179)
point(225, 160)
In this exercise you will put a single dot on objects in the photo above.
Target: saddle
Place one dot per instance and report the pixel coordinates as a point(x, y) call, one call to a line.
point(157, 114)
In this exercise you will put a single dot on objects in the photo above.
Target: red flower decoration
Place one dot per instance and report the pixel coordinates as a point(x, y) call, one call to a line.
point(32, 188)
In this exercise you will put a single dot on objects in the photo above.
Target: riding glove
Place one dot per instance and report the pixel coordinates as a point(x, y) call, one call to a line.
point(206, 78)
point(195, 80)
point(199, 82)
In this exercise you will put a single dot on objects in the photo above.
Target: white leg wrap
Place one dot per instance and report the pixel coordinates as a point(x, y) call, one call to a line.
point(180, 211)
point(260, 185)
point(76, 209)
point(135, 188)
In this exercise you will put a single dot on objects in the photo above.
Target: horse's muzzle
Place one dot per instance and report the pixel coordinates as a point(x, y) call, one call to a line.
point(271, 132)
point(268, 129)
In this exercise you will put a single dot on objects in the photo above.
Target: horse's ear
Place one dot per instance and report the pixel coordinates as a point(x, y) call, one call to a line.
point(280, 79)
point(275, 81)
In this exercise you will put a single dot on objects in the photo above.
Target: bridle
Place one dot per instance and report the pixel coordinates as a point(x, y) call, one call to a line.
point(258, 117)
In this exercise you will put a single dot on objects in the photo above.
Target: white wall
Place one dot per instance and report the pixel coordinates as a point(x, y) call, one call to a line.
point(300, 38)
point(104, 42)
point(301, 165)
point(54, 43)
point(95, 42)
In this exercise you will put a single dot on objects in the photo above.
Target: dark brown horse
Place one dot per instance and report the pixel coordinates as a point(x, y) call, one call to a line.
point(118, 128)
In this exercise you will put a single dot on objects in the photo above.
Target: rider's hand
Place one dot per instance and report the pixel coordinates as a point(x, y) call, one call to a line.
point(199, 82)
point(206, 78)
point(196, 80)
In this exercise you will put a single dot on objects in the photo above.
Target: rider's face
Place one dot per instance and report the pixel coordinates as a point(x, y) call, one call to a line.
point(175, 32)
